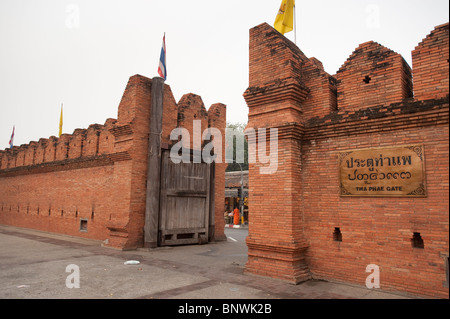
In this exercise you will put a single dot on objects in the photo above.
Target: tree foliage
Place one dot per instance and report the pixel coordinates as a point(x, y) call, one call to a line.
point(232, 148)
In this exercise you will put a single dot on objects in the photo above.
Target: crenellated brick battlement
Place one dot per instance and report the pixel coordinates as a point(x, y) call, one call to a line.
point(110, 138)
point(430, 60)
point(372, 75)
point(94, 141)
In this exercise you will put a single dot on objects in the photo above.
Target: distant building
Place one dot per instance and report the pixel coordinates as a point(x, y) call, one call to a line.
point(232, 188)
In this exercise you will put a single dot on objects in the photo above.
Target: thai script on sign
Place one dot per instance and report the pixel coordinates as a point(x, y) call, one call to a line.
point(371, 163)
point(394, 171)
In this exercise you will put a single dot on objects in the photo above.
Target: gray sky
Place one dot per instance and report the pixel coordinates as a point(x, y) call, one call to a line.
point(82, 52)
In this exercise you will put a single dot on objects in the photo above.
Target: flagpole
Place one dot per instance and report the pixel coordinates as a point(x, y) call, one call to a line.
point(11, 141)
point(61, 121)
point(295, 26)
point(165, 56)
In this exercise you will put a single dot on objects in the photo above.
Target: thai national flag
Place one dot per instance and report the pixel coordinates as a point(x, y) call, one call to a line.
point(11, 141)
point(162, 70)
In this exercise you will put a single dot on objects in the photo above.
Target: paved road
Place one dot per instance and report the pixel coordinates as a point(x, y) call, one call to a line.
point(35, 264)
point(236, 234)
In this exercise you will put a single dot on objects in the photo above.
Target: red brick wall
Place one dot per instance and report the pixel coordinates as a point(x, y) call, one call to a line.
point(56, 201)
point(430, 65)
point(275, 96)
point(54, 195)
point(294, 212)
point(277, 64)
point(373, 75)
point(98, 174)
point(217, 118)
point(276, 242)
point(378, 230)
point(190, 108)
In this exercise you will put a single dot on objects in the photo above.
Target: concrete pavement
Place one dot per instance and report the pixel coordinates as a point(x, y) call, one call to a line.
point(36, 264)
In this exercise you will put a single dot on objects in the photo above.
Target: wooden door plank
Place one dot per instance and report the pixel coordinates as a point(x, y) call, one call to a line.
point(154, 165)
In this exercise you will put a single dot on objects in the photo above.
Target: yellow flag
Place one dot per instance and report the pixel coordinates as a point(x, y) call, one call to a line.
point(284, 22)
point(61, 121)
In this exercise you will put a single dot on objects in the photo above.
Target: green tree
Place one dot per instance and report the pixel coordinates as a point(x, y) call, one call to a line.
point(237, 131)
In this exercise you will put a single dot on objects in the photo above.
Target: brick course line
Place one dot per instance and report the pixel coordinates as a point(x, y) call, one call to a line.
point(171, 293)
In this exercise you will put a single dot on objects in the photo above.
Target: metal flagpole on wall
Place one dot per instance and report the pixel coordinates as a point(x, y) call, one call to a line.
point(295, 26)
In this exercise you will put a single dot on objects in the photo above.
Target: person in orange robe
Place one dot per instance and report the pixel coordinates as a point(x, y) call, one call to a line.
point(236, 216)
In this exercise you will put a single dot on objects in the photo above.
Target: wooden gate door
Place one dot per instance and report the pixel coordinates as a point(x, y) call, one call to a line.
point(184, 202)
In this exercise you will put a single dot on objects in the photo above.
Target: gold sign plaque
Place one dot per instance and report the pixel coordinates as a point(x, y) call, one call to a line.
point(390, 171)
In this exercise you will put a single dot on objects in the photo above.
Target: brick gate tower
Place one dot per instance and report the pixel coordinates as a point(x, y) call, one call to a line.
point(362, 164)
